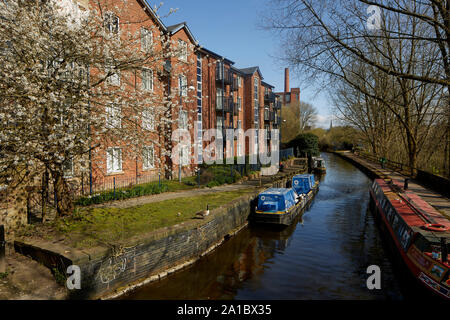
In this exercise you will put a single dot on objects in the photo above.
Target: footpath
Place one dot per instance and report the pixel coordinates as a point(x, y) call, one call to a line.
point(435, 199)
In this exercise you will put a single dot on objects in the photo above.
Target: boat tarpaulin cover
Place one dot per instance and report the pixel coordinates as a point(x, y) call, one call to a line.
point(276, 199)
point(303, 183)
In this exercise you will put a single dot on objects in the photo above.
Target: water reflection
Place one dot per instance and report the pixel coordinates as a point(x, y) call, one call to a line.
point(324, 254)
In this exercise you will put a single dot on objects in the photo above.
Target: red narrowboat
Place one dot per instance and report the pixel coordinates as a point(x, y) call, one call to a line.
point(420, 233)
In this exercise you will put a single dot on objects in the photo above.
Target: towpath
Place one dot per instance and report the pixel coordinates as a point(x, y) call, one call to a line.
point(435, 199)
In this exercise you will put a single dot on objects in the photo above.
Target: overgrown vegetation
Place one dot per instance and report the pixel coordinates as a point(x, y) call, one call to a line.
point(305, 144)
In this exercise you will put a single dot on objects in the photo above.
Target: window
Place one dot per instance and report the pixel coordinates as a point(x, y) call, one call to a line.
point(239, 103)
point(68, 168)
point(146, 39)
point(112, 23)
point(147, 80)
point(288, 98)
point(219, 96)
point(148, 119)
point(239, 81)
point(183, 50)
point(147, 158)
point(239, 143)
point(182, 85)
point(113, 75)
point(113, 116)
point(183, 120)
point(219, 127)
point(114, 160)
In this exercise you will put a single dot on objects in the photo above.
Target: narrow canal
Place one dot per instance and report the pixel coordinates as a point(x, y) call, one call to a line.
point(323, 255)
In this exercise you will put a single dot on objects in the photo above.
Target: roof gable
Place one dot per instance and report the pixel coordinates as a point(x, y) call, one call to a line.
point(251, 71)
point(173, 29)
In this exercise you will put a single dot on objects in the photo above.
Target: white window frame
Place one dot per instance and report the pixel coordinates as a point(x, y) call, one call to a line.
point(113, 116)
point(183, 120)
point(114, 160)
point(112, 23)
point(114, 79)
point(182, 85)
point(183, 50)
point(148, 163)
point(147, 79)
point(68, 173)
point(148, 119)
point(146, 39)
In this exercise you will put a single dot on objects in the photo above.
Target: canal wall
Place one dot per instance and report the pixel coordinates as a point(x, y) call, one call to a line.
point(110, 272)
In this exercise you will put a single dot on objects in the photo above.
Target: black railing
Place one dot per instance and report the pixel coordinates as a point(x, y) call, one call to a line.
point(234, 84)
point(269, 97)
point(224, 76)
point(277, 105)
point(225, 103)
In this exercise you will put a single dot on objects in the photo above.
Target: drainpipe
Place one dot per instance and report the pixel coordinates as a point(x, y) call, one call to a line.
point(223, 108)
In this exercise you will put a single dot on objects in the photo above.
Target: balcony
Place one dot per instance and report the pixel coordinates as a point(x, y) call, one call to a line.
point(277, 105)
point(267, 115)
point(234, 84)
point(226, 104)
point(225, 77)
point(269, 97)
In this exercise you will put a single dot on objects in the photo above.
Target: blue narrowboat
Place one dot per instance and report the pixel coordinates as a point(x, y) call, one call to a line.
point(280, 206)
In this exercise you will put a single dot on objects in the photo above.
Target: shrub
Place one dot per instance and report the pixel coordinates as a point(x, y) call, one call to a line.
point(121, 194)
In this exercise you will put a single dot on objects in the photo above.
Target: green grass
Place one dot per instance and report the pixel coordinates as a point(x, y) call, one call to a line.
point(137, 191)
point(91, 226)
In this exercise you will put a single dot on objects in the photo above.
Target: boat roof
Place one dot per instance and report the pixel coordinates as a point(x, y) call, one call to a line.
point(304, 175)
point(412, 208)
point(277, 191)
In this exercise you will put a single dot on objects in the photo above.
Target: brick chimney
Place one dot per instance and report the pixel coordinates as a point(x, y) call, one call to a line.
point(286, 84)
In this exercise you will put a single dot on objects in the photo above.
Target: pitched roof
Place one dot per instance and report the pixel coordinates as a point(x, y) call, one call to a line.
point(216, 55)
point(250, 71)
point(183, 25)
point(148, 8)
point(265, 84)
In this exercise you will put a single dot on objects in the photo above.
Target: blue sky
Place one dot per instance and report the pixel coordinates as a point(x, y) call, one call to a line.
point(231, 28)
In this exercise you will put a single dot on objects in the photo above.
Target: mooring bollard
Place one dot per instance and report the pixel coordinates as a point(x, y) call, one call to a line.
point(2, 249)
point(405, 185)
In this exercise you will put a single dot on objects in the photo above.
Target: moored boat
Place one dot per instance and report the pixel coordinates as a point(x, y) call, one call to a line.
point(280, 206)
point(318, 165)
point(421, 234)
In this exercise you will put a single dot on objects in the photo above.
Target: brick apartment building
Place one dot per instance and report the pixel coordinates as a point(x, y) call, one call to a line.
point(213, 94)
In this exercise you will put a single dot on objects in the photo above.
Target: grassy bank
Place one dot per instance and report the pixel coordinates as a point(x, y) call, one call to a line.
point(91, 226)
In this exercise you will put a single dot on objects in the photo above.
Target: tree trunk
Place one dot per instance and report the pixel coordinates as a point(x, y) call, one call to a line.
point(64, 203)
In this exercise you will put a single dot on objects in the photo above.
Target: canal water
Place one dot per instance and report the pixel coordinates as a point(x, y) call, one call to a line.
point(323, 255)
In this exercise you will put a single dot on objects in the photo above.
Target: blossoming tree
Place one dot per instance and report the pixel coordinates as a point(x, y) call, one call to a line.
point(73, 80)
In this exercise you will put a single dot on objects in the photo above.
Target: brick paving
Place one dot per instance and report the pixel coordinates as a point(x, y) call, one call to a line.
point(435, 199)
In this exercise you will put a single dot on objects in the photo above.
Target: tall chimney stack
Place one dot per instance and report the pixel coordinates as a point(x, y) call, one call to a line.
point(286, 84)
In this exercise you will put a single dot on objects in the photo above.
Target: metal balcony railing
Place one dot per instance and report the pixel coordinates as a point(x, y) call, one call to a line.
point(269, 97)
point(223, 76)
point(234, 84)
point(277, 105)
point(225, 103)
